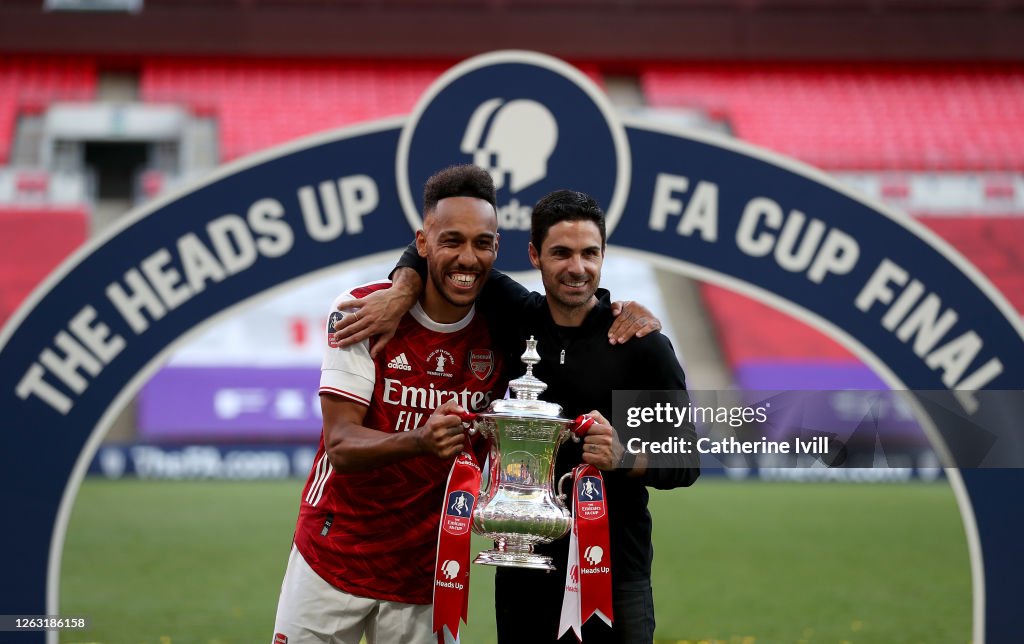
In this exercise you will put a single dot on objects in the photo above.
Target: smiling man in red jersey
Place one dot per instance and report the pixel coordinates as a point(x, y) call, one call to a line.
point(365, 542)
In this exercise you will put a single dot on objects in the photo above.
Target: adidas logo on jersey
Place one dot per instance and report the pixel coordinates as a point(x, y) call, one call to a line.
point(400, 362)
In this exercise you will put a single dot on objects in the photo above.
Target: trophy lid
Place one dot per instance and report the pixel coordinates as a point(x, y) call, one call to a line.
point(520, 407)
point(526, 389)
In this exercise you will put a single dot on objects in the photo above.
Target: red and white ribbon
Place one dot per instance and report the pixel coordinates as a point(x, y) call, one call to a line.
point(451, 568)
point(588, 580)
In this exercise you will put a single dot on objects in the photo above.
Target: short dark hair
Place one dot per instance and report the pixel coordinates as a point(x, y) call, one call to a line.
point(458, 181)
point(564, 205)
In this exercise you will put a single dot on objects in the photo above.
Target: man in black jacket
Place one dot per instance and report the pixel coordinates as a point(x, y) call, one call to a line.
point(582, 368)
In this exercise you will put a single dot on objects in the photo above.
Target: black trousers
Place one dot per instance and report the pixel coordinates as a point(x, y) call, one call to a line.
point(528, 603)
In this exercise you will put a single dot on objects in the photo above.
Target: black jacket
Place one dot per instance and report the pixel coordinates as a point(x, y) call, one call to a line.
point(581, 380)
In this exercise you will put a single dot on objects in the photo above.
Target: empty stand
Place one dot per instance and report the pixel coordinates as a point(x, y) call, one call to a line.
point(263, 103)
point(751, 331)
point(901, 117)
point(762, 344)
point(861, 116)
point(33, 241)
point(993, 244)
point(29, 83)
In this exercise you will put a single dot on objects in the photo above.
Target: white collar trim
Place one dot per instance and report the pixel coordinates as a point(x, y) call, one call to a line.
point(421, 316)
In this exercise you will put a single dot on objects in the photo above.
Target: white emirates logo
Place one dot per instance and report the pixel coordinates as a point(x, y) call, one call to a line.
point(400, 362)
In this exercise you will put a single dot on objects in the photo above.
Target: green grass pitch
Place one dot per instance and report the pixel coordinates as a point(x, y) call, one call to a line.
point(745, 563)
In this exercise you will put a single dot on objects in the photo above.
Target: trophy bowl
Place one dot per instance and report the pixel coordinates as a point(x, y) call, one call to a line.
point(518, 507)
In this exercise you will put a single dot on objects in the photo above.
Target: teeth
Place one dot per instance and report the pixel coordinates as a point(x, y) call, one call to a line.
point(463, 279)
point(575, 284)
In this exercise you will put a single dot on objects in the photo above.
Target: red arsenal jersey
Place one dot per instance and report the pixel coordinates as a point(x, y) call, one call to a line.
point(374, 533)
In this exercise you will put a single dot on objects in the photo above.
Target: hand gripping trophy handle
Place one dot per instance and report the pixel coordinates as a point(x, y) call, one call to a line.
point(579, 429)
point(581, 426)
point(469, 422)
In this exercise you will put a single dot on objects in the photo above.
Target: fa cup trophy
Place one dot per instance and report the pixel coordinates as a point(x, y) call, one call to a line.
point(518, 506)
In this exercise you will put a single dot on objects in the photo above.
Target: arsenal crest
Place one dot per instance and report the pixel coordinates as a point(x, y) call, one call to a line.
point(481, 362)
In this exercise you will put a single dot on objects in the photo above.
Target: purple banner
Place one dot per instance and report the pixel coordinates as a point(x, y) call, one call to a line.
point(806, 374)
point(846, 396)
point(192, 403)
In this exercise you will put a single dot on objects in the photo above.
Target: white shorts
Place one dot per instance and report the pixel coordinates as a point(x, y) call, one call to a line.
point(311, 611)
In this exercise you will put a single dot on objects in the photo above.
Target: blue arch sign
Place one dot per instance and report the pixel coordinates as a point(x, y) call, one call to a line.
point(890, 290)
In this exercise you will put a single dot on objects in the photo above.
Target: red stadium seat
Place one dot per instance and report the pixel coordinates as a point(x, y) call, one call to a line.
point(752, 332)
point(264, 103)
point(33, 241)
point(28, 84)
point(861, 116)
point(152, 183)
point(993, 244)
point(33, 182)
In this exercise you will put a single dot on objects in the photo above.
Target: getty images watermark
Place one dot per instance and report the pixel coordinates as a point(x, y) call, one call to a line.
point(818, 429)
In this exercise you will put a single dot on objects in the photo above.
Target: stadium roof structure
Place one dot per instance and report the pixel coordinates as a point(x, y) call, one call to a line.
point(614, 30)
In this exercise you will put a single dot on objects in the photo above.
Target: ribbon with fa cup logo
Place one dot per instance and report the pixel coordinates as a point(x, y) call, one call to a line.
point(451, 569)
point(588, 580)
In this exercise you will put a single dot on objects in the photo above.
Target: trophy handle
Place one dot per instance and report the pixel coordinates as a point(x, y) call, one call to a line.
point(578, 428)
point(561, 495)
point(469, 422)
point(581, 426)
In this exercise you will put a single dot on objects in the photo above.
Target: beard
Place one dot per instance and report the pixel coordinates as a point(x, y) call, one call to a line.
point(554, 289)
point(574, 301)
point(438, 278)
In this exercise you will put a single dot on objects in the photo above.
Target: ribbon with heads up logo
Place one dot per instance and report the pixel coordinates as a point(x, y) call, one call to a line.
point(588, 581)
point(451, 569)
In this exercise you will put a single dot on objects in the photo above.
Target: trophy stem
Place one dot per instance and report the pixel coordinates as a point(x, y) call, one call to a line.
point(515, 555)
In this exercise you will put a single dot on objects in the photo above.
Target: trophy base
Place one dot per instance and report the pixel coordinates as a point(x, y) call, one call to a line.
point(514, 556)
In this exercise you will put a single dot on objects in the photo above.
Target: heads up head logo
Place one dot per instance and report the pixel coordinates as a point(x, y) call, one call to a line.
point(450, 568)
point(534, 123)
point(512, 140)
